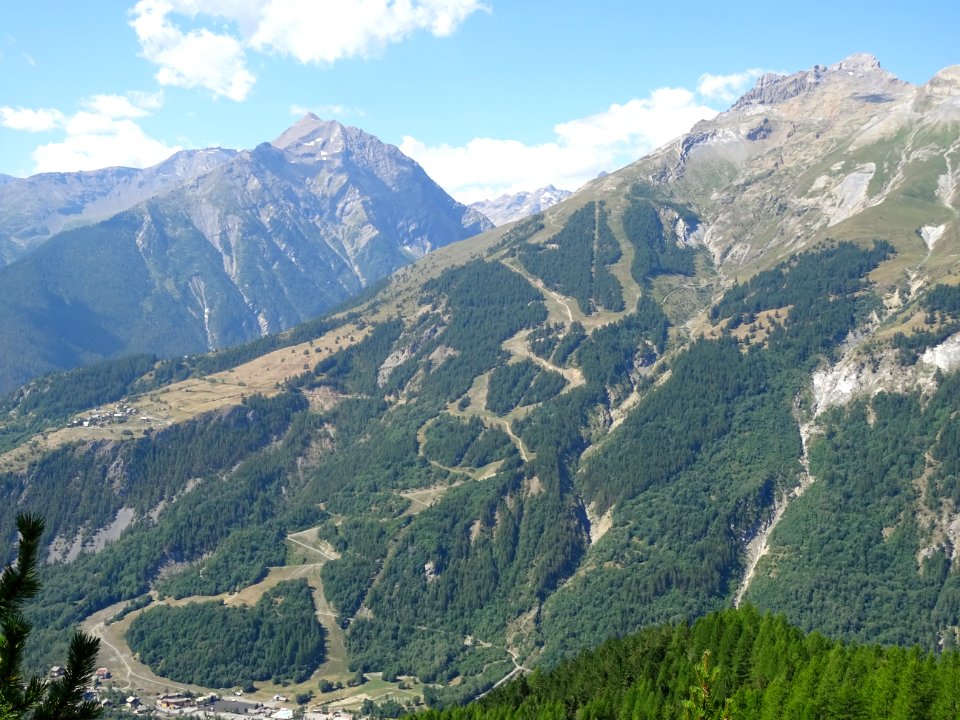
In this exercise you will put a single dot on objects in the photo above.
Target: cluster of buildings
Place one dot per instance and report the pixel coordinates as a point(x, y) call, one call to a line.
point(131, 703)
point(214, 705)
point(211, 704)
point(178, 702)
point(95, 691)
point(101, 418)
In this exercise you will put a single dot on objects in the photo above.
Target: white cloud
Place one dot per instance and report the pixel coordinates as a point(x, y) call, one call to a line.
point(122, 142)
point(581, 149)
point(311, 31)
point(324, 32)
point(115, 107)
point(145, 100)
point(41, 120)
point(727, 88)
point(103, 134)
point(198, 58)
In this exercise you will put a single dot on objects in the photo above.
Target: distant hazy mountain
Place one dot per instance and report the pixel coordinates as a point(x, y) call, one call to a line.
point(508, 208)
point(34, 208)
point(260, 242)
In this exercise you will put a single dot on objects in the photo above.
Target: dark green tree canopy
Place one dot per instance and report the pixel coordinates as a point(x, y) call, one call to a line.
point(34, 698)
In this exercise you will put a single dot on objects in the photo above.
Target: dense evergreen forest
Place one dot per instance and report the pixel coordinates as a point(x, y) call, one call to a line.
point(656, 251)
point(575, 261)
point(216, 646)
point(736, 664)
point(196, 525)
point(852, 548)
point(76, 486)
point(696, 466)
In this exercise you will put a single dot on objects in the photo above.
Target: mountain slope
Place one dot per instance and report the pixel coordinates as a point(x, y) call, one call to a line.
point(635, 407)
point(730, 664)
point(260, 242)
point(846, 151)
point(34, 208)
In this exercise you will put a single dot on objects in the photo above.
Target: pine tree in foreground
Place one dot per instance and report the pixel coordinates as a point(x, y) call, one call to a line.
point(35, 698)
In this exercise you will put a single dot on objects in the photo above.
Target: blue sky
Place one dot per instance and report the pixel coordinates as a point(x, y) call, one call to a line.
point(488, 95)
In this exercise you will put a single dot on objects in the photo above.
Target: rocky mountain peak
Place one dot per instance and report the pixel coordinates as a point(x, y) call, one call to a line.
point(771, 88)
point(312, 133)
point(946, 82)
point(237, 244)
point(186, 164)
point(775, 141)
point(508, 208)
point(858, 62)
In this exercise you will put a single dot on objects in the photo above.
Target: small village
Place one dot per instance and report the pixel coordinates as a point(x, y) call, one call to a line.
point(209, 705)
point(101, 417)
point(213, 705)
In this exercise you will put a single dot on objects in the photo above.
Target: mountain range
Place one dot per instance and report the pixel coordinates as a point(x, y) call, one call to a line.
point(34, 208)
point(509, 208)
point(209, 248)
point(725, 374)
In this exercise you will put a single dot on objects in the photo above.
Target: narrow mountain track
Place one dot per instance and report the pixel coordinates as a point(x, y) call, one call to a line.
point(309, 547)
point(539, 285)
point(116, 655)
point(518, 347)
point(525, 455)
point(516, 670)
point(121, 655)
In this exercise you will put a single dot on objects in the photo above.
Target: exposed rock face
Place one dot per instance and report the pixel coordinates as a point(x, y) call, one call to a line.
point(822, 153)
point(772, 89)
point(946, 82)
point(261, 241)
point(387, 191)
point(33, 209)
point(508, 208)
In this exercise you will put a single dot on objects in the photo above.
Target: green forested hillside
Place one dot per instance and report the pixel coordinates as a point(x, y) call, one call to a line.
point(197, 525)
point(79, 487)
point(729, 373)
point(575, 260)
point(858, 546)
point(736, 664)
point(490, 481)
point(217, 646)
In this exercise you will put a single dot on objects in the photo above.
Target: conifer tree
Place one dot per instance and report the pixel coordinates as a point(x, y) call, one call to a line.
point(34, 698)
point(700, 705)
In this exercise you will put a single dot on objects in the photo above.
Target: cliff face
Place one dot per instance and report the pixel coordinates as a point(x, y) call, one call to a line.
point(845, 151)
